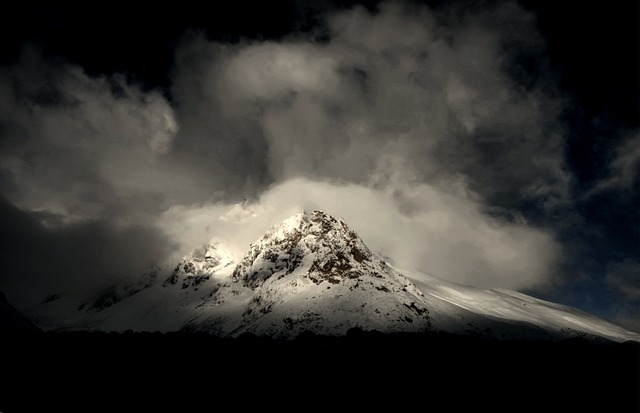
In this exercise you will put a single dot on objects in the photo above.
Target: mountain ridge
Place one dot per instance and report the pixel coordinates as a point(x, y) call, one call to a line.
point(313, 273)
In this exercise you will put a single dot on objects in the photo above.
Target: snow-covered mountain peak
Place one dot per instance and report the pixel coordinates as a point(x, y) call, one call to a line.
point(327, 248)
point(313, 273)
point(207, 261)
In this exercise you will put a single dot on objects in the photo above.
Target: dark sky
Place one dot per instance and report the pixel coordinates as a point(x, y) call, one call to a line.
point(505, 133)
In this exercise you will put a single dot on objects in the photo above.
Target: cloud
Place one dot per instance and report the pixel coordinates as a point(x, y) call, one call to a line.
point(624, 277)
point(271, 70)
point(79, 259)
point(77, 146)
point(81, 176)
point(416, 126)
point(624, 167)
point(395, 82)
point(416, 226)
point(415, 112)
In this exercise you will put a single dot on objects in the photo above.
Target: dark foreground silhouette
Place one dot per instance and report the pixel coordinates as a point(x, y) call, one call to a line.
point(91, 371)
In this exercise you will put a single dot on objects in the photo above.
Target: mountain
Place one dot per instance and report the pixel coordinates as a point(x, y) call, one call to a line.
point(314, 273)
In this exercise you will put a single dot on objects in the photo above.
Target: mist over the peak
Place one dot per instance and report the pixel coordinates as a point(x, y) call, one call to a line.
point(407, 124)
point(441, 232)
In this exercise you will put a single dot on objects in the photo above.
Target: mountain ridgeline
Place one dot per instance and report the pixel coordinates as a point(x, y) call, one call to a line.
point(313, 273)
point(309, 309)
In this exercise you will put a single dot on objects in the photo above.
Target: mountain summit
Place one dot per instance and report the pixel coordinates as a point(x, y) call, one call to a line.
point(313, 273)
point(331, 250)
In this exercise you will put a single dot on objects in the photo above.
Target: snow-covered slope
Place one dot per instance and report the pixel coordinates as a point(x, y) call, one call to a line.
point(312, 272)
point(511, 308)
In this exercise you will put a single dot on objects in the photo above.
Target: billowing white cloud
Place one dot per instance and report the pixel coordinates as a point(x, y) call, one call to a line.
point(418, 226)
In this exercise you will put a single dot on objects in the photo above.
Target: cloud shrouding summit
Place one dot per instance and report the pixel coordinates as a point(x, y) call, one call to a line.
point(414, 226)
point(408, 113)
point(420, 129)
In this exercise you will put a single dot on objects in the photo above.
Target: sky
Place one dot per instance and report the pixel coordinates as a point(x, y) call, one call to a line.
point(493, 143)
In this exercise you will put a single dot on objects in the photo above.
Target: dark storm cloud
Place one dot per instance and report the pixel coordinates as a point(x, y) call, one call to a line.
point(391, 84)
point(74, 147)
point(227, 153)
point(75, 162)
point(81, 258)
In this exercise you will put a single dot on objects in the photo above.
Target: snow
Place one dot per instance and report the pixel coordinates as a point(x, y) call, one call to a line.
point(312, 272)
point(514, 306)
